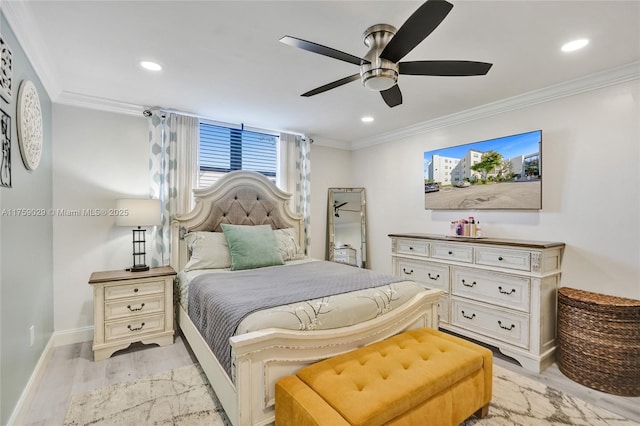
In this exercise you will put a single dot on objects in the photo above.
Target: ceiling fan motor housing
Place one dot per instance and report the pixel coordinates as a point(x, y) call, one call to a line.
point(379, 74)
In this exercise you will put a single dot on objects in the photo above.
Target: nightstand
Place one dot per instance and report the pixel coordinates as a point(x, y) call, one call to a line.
point(131, 307)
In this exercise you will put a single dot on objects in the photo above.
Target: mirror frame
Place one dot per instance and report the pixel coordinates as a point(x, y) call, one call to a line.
point(331, 224)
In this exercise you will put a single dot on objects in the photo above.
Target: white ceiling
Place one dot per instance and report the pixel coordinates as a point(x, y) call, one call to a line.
point(222, 59)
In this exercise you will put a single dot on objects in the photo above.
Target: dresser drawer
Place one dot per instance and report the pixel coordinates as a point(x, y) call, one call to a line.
point(123, 308)
point(132, 327)
point(415, 247)
point(135, 289)
point(510, 327)
point(457, 252)
point(504, 258)
point(492, 287)
point(431, 275)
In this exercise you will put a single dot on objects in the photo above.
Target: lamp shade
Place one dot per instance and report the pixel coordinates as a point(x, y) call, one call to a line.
point(138, 212)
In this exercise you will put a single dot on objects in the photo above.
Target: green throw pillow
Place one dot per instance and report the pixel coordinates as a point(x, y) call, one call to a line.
point(252, 246)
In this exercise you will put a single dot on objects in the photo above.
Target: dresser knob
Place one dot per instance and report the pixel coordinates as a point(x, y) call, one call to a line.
point(450, 252)
point(500, 258)
point(135, 290)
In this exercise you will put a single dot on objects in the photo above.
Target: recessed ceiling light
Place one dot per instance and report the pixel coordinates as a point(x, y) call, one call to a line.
point(575, 45)
point(151, 66)
point(367, 119)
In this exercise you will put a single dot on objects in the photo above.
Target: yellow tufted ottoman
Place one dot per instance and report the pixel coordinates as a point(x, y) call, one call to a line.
point(419, 377)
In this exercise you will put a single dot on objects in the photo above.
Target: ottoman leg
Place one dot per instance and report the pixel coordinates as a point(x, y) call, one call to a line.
point(482, 412)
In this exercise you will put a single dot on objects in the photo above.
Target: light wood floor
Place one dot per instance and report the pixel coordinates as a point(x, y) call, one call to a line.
point(71, 370)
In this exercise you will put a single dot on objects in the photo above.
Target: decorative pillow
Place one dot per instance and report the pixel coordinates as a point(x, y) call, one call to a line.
point(251, 246)
point(288, 244)
point(209, 250)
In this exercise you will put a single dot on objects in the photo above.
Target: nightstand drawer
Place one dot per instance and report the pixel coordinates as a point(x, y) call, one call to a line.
point(133, 327)
point(131, 290)
point(130, 307)
point(455, 252)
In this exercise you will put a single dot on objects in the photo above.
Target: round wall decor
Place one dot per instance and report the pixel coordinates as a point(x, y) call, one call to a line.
point(29, 125)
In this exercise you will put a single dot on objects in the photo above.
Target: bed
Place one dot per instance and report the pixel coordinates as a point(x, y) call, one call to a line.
point(280, 339)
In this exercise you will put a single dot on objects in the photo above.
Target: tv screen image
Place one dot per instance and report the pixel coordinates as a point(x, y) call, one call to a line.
point(504, 173)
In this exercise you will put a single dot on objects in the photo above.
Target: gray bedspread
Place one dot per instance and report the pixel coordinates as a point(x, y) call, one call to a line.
point(218, 302)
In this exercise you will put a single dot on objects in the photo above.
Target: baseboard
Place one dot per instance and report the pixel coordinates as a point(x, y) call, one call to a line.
point(76, 335)
point(58, 338)
point(27, 393)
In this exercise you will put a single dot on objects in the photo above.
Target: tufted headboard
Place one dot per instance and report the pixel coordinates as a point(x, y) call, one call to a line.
point(239, 198)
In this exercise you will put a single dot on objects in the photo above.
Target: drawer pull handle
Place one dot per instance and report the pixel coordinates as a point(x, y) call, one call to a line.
point(410, 248)
point(500, 258)
point(433, 278)
point(468, 285)
point(513, 290)
point(135, 309)
point(506, 328)
point(450, 252)
point(407, 272)
point(135, 328)
point(135, 290)
point(468, 317)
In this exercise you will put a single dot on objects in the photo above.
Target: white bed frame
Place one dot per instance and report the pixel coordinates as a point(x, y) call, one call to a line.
point(262, 357)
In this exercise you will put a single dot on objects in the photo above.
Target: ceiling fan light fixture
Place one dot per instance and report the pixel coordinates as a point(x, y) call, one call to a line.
point(379, 79)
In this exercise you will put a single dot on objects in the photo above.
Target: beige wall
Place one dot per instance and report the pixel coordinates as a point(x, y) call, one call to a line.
point(591, 196)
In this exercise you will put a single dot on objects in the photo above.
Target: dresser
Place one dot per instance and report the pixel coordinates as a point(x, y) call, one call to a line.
point(131, 307)
point(500, 292)
point(345, 255)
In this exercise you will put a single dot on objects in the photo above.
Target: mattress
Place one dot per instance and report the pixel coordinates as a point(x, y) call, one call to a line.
point(317, 314)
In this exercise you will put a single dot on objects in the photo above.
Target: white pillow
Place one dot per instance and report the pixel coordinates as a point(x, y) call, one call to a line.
point(209, 250)
point(288, 244)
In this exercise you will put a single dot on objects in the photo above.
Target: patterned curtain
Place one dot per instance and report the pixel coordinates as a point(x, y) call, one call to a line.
point(302, 192)
point(173, 171)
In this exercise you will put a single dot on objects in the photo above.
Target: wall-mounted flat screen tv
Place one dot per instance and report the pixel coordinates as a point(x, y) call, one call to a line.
point(497, 174)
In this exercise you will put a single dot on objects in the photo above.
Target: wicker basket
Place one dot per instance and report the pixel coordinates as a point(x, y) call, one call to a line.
point(599, 341)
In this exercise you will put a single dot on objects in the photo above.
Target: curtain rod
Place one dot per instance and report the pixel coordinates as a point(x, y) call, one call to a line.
point(149, 110)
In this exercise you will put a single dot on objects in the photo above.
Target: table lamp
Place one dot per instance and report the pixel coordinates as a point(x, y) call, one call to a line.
point(138, 213)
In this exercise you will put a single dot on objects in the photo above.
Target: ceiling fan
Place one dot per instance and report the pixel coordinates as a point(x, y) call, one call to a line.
point(380, 67)
point(337, 206)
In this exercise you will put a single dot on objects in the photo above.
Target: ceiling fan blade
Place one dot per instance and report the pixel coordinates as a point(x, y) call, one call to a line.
point(416, 28)
point(332, 85)
point(444, 68)
point(392, 96)
point(322, 50)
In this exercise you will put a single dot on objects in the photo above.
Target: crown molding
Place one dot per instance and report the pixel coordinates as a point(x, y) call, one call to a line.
point(102, 104)
point(591, 82)
point(26, 31)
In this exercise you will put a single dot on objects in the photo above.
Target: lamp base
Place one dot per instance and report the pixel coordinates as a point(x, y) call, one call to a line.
point(139, 268)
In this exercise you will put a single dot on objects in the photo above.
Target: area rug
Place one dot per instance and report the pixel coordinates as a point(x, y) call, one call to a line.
point(183, 397)
point(177, 397)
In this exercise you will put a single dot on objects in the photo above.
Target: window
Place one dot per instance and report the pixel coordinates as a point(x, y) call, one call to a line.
point(225, 149)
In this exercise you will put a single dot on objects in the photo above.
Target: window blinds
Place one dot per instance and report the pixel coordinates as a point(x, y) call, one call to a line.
point(225, 149)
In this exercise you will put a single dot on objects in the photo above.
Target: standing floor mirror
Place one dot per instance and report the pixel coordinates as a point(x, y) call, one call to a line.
point(346, 227)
